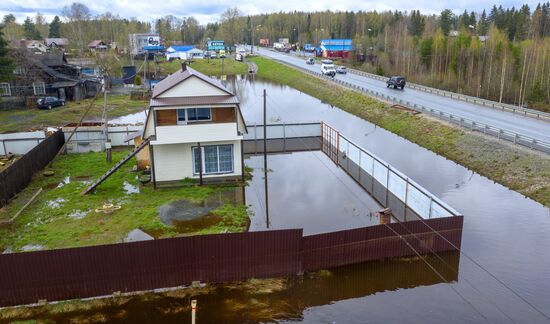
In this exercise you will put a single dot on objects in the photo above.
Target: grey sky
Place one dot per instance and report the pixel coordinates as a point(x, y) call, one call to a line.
point(209, 11)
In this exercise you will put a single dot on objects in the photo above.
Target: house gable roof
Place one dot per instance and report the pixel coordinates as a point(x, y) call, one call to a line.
point(180, 76)
point(180, 48)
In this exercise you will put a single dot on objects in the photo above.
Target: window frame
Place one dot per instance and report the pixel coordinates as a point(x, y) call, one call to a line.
point(7, 91)
point(39, 86)
point(203, 162)
point(191, 121)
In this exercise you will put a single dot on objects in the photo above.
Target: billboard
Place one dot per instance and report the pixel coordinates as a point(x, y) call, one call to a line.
point(215, 45)
point(153, 40)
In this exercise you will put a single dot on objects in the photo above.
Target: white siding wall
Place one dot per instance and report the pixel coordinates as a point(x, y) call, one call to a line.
point(196, 133)
point(193, 87)
point(175, 161)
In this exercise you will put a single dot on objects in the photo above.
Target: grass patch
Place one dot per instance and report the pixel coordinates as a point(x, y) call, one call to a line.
point(212, 67)
point(24, 119)
point(514, 167)
point(50, 220)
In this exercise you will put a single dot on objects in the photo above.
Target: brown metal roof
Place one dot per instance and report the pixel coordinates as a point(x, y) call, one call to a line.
point(180, 76)
point(194, 101)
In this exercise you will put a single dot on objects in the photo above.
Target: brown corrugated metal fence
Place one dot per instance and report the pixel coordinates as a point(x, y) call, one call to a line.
point(100, 270)
point(18, 175)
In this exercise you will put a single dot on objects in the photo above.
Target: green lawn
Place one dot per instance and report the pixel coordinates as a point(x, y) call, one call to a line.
point(212, 67)
point(24, 119)
point(517, 168)
point(48, 220)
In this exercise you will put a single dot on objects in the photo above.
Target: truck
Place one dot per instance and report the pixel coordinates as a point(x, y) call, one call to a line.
point(221, 53)
point(327, 68)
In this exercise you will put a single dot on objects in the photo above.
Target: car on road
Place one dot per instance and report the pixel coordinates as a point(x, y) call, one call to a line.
point(310, 61)
point(341, 70)
point(49, 102)
point(327, 68)
point(213, 55)
point(396, 82)
point(239, 57)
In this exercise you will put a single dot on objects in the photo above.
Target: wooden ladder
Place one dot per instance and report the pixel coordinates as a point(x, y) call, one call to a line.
point(115, 167)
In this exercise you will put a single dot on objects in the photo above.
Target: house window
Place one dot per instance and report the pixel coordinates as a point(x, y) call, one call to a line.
point(39, 88)
point(5, 89)
point(215, 159)
point(19, 70)
point(190, 115)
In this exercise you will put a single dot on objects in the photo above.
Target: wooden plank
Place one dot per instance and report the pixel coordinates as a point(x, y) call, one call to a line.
point(166, 117)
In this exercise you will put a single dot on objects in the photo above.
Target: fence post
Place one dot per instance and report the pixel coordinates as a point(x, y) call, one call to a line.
point(406, 198)
point(387, 184)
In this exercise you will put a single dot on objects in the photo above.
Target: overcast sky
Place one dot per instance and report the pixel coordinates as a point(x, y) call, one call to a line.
point(209, 11)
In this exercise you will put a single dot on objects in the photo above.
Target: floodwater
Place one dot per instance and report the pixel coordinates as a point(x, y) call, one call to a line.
point(306, 190)
point(504, 232)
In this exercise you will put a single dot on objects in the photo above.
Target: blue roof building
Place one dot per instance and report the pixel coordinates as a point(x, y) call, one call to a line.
point(336, 47)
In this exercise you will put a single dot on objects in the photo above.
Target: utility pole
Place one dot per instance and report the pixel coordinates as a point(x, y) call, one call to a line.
point(265, 163)
point(106, 123)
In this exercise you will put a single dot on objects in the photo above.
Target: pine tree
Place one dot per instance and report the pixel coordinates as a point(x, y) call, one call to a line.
point(6, 63)
point(30, 29)
point(483, 26)
point(417, 24)
point(55, 28)
point(446, 21)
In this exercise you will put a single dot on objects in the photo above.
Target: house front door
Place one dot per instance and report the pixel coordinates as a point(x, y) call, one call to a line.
point(61, 92)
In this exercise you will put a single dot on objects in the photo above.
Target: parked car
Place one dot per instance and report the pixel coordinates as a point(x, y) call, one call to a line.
point(310, 61)
point(396, 82)
point(341, 70)
point(49, 102)
point(213, 55)
point(239, 57)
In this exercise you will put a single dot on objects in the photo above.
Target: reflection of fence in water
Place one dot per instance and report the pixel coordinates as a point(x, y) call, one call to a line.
point(407, 199)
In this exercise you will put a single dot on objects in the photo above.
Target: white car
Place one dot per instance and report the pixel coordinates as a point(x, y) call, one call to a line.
point(327, 68)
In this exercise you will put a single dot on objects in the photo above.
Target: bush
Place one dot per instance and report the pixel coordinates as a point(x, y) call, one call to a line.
point(137, 81)
point(380, 70)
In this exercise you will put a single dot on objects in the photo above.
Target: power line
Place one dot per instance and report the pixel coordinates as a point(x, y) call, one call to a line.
point(397, 234)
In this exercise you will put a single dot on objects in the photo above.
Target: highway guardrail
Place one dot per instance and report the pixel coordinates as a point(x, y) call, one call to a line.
point(516, 138)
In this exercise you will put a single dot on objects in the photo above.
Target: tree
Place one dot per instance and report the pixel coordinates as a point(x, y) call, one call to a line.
point(446, 21)
point(78, 15)
point(230, 25)
point(30, 29)
point(6, 64)
point(55, 28)
point(483, 25)
point(41, 25)
point(417, 24)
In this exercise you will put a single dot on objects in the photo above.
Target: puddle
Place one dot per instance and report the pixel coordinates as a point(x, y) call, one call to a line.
point(137, 235)
point(130, 188)
point(65, 181)
point(78, 214)
point(56, 203)
point(185, 211)
point(32, 247)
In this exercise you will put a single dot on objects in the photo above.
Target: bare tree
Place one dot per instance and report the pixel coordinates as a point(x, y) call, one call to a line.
point(77, 14)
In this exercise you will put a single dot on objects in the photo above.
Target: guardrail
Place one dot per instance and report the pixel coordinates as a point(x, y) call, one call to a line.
point(472, 125)
point(475, 100)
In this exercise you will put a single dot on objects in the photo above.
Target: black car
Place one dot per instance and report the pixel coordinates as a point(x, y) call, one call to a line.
point(49, 102)
point(310, 61)
point(396, 82)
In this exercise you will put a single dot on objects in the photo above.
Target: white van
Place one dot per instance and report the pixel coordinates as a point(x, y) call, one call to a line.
point(327, 68)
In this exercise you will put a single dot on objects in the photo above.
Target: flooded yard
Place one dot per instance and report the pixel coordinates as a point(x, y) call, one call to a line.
point(504, 232)
point(307, 190)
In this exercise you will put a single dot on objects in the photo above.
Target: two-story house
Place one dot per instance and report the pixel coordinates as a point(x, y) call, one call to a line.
point(195, 128)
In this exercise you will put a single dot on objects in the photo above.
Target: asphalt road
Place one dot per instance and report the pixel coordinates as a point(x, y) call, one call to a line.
point(528, 126)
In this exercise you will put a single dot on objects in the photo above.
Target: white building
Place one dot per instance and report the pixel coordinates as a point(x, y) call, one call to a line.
point(195, 128)
point(183, 53)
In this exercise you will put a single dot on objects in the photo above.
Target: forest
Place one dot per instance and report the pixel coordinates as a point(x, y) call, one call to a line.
point(501, 54)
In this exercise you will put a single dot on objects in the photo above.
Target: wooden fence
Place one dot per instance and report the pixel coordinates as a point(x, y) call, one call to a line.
point(101, 270)
point(18, 175)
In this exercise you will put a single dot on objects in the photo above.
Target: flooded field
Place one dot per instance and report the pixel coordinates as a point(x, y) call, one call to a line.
point(504, 232)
